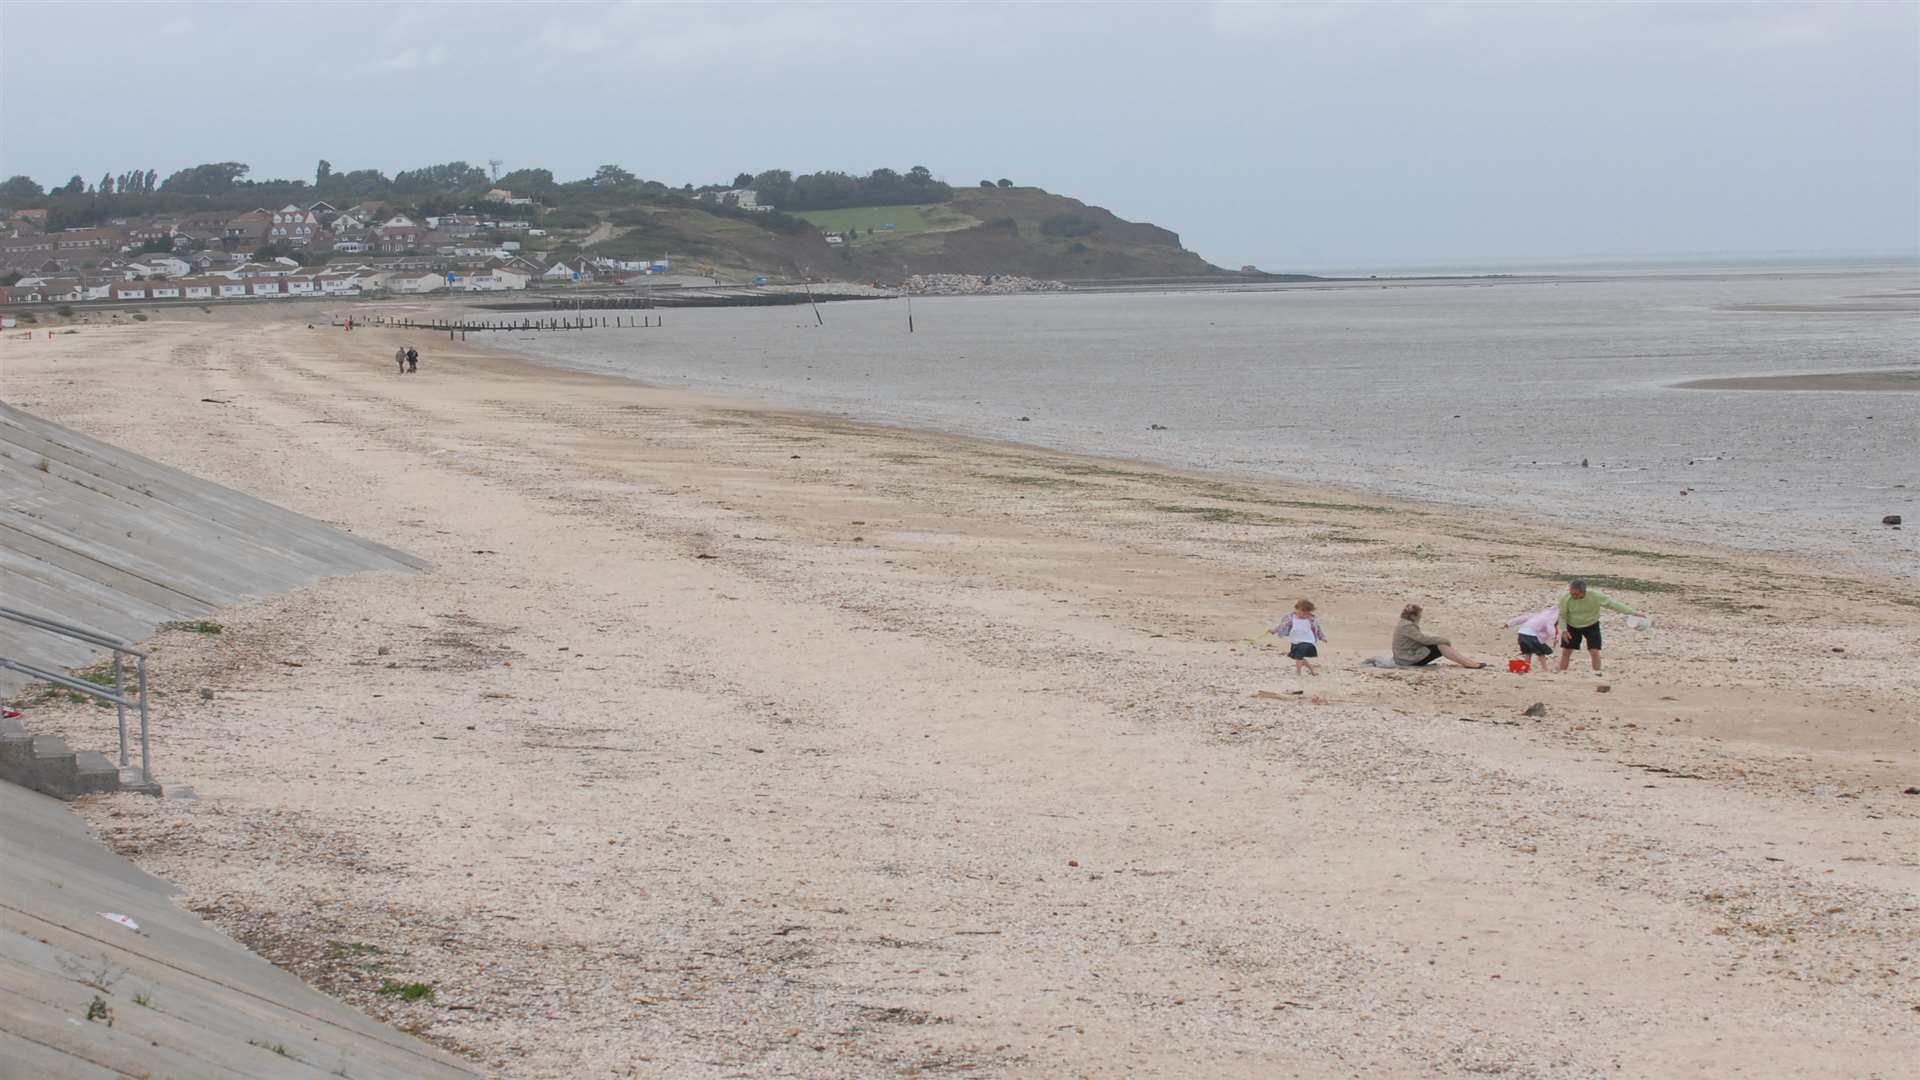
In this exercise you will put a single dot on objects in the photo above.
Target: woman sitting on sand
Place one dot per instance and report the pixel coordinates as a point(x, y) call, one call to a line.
point(1414, 647)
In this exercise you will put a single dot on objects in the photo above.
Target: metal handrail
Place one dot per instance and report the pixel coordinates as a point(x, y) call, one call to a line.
point(121, 703)
point(93, 637)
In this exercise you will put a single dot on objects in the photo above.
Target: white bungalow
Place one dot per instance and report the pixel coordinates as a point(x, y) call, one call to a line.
point(160, 264)
point(494, 280)
point(417, 282)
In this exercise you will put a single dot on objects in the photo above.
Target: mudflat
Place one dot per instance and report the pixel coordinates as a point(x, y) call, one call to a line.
point(1873, 381)
point(726, 741)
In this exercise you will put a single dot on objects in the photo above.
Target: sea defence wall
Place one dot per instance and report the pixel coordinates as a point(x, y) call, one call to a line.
point(118, 543)
point(103, 975)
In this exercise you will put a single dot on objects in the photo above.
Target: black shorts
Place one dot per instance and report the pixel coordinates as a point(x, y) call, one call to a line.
point(1302, 650)
point(1575, 634)
point(1533, 646)
point(1433, 653)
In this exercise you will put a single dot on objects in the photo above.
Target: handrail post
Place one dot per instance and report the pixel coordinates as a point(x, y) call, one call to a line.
point(146, 750)
point(119, 710)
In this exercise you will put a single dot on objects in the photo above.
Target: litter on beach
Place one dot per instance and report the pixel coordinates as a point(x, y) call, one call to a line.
point(121, 919)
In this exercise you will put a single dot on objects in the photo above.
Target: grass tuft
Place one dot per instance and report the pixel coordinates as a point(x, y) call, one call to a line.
point(413, 991)
point(1222, 515)
point(1605, 583)
point(1028, 480)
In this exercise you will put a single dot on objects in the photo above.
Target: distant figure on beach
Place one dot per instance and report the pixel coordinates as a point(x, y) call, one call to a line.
point(1414, 647)
point(1579, 613)
point(1301, 630)
point(1538, 632)
point(413, 360)
point(400, 358)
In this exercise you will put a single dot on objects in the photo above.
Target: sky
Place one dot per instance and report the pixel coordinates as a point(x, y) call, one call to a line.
point(1292, 137)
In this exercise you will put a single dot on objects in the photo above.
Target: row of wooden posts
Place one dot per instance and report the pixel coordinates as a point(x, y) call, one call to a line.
point(461, 327)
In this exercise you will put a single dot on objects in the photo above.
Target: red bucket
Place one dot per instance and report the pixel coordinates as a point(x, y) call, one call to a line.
point(1521, 666)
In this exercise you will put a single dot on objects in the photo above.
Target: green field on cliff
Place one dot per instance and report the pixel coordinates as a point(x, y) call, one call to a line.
point(904, 220)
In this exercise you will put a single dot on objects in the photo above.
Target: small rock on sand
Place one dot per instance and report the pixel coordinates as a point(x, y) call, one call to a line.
point(1537, 709)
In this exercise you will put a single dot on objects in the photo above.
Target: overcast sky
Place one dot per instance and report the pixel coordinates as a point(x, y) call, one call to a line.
point(1289, 136)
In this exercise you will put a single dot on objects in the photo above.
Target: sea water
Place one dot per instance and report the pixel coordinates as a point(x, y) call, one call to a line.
point(1552, 396)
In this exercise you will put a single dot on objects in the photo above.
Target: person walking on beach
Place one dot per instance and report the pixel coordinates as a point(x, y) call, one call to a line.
point(1301, 630)
point(1414, 647)
point(400, 358)
point(413, 360)
point(1538, 632)
point(1579, 613)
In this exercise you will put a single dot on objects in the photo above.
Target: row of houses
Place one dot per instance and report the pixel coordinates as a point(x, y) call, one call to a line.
point(267, 283)
point(366, 228)
point(191, 288)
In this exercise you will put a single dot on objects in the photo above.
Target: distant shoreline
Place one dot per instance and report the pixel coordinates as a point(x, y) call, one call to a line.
point(1903, 381)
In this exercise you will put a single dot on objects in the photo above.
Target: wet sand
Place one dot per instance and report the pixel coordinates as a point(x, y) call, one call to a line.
point(726, 741)
point(1853, 381)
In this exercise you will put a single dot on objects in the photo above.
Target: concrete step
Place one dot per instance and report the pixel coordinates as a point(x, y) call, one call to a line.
point(130, 781)
point(93, 774)
point(45, 763)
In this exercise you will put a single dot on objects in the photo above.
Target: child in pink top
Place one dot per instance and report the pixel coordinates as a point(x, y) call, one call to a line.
point(1538, 634)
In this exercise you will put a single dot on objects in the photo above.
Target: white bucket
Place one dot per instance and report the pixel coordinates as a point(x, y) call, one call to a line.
point(1638, 622)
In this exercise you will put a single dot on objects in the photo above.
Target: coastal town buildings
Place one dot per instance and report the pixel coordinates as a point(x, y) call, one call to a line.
point(208, 256)
point(248, 230)
point(399, 233)
point(294, 227)
point(159, 266)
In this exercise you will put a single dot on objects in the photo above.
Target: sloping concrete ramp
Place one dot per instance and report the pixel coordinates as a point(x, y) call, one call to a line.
point(115, 542)
point(84, 997)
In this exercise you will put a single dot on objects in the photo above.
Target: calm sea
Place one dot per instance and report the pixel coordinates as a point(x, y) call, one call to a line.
point(1488, 393)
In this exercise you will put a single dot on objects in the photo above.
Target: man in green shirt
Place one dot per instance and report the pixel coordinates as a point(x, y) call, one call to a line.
point(1580, 621)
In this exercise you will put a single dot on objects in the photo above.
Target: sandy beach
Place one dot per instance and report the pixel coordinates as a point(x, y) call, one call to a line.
point(724, 741)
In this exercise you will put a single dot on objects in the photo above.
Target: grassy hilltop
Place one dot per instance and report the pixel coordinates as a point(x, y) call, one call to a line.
point(1014, 230)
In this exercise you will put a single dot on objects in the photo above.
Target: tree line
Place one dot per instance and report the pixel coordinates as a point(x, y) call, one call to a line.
point(214, 180)
point(838, 190)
